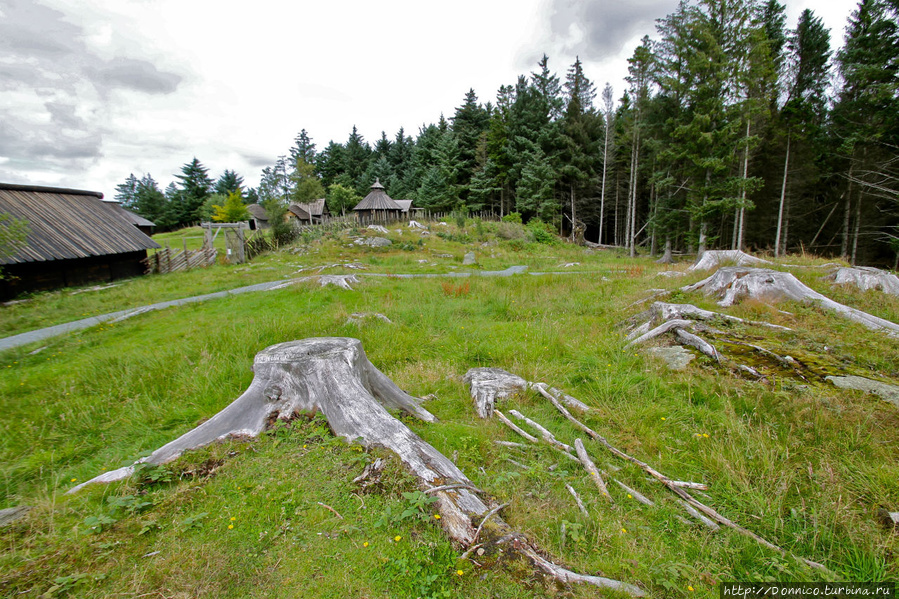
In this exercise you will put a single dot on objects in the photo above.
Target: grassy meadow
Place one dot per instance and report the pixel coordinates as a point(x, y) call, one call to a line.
point(800, 463)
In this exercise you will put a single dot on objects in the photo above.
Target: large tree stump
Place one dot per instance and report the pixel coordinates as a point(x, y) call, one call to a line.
point(712, 259)
point(332, 375)
point(865, 278)
point(734, 283)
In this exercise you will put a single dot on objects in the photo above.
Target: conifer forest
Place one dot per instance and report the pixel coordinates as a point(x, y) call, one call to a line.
point(736, 129)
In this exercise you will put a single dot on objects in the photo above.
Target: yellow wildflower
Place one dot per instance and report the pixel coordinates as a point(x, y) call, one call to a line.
point(230, 526)
point(460, 572)
point(365, 544)
point(623, 530)
point(73, 480)
point(397, 538)
point(233, 518)
point(690, 588)
point(436, 516)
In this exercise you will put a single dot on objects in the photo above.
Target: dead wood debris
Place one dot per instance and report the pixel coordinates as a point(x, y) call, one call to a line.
point(676, 487)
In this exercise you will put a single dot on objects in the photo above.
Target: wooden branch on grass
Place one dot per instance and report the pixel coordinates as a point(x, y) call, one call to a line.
point(592, 470)
point(577, 499)
point(677, 490)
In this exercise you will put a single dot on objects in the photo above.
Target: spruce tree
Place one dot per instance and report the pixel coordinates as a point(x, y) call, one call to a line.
point(195, 187)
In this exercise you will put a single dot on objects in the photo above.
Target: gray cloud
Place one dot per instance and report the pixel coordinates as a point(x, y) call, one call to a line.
point(64, 115)
point(48, 143)
point(257, 160)
point(138, 75)
point(47, 50)
point(48, 70)
point(606, 25)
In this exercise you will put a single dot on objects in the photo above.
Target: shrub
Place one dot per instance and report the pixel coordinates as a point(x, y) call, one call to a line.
point(542, 232)
point(510, 230)
point(512, 217)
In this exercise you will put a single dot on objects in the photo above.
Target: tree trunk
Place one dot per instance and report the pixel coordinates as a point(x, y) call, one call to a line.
point(741, 213)
point(334, 376)
point(783, 195)
point(573, 212)
point(602, 194)
point(632, 196)
point(858, 211)
point(617, 200)
point(847, 216)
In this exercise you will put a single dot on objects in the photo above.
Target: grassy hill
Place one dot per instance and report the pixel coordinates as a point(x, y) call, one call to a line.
point(805, 465)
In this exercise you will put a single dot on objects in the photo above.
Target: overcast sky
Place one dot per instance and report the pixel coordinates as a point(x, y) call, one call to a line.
point(93, 90)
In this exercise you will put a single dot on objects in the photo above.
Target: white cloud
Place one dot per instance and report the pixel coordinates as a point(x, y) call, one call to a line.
point(153, 83)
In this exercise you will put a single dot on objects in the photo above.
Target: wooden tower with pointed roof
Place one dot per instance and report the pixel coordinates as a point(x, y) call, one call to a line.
point(377, 206)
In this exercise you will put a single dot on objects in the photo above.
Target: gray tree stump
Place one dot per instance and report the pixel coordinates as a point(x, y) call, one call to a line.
point(734, 283)
point(332, 375)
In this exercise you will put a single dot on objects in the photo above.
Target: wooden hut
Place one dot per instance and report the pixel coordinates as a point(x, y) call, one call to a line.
point(74, 238)
point(296, 213)
point(317, 209)
point(377, 206)
point(258, 217)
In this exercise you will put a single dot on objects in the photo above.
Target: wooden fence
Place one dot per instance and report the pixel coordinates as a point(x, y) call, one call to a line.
point(168, 260)
point(422, 216)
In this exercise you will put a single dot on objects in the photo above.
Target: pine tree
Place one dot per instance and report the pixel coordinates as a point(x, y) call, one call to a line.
point(356, 156)
point(865, 115)
point(195, 187)
point(469, 127)
point(803, 115)
point(228, 182)
point(549, 89)
point(150, 202)
point(305, 184)
point(126, 192)
point(303, 148)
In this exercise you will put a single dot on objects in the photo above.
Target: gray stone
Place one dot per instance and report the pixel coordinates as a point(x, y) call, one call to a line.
point(10, 515)
point(885, 391)
point(375, 242)
point(675, 357)
point(469, 259)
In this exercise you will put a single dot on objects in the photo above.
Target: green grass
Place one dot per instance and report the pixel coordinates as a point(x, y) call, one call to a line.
point(804, 466)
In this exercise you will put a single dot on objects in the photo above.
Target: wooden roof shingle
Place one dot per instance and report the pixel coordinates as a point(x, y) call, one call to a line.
point(66, 224)
point(258, 212)
point(315, 208)
point(298, 211)
point(377, 199)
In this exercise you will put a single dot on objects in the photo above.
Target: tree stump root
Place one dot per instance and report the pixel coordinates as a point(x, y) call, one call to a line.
point(332, 375)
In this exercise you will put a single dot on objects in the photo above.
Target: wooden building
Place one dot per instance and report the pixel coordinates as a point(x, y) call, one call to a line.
point(317, 210)
point(296, 213)
point(258, 217)
point(74, 238)
point(377, 206)
point(145, 226)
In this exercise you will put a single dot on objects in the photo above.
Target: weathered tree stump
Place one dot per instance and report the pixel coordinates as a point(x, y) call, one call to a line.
point(332, 375)
point(865, 278)
point(733, 284)
point(713, 259)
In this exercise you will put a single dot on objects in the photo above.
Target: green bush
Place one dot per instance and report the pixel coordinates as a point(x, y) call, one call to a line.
point(542, 232)
point(512, 217)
